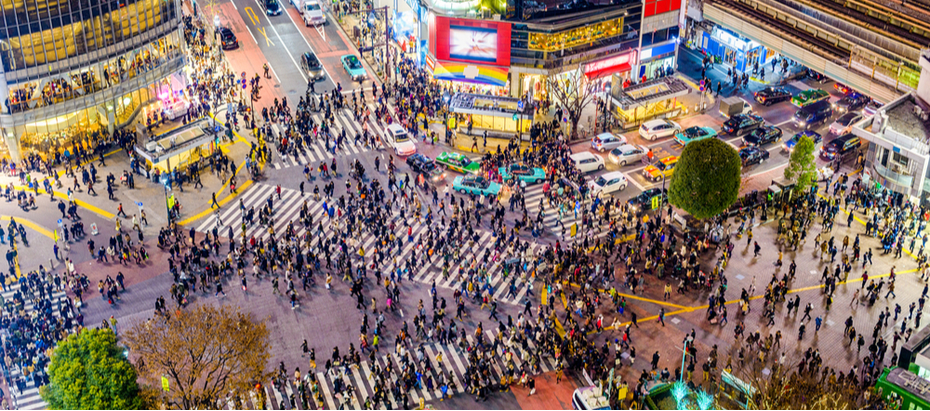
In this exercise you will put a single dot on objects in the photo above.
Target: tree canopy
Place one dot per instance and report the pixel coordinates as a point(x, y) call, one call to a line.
point(206, 353)
point(89, 371)
point(802, 168)
point(707, 178)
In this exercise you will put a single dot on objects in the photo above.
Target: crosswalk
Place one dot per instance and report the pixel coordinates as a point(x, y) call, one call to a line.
point(24, 391)
point(356, 384)
point(500, 278)
point(561, 226)
point(317, 151)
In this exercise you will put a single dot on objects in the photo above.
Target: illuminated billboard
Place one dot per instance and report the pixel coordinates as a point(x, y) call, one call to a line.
point(470, 41)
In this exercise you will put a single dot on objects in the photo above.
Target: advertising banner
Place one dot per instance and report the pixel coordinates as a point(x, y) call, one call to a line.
point(470, 41)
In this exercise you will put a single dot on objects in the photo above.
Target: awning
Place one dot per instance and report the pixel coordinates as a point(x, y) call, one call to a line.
point(608, 66)
point(471, 73)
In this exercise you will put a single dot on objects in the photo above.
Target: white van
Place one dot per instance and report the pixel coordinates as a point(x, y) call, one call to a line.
point(400, 141)
point(313, 13)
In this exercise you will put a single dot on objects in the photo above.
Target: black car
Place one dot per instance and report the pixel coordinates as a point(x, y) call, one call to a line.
point(818, 77)
point(644, 199)
point(228, 39)
point(272, 7)
point(742, 124)
point(425, 165)
point(840, 146)
point(762, 136)
point(772, 95)
point(851, 102)
point(753, 155)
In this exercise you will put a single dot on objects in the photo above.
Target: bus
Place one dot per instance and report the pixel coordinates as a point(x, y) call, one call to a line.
point(900, 385)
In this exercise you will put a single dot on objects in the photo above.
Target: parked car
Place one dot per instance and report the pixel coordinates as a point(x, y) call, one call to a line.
point(475, 185)
point(839, 146)
point(816, 76)
point(695, 133)
point(661, 169)
point(793, 141)
point(644, 199)
point(272, 7)
point(753, 155)
point(311, 65)
point(522, 172)
point(851, 102)
point(400, 141)
point(772, 95)
point(762, 136)
point(871, 108)
point(228, 39)
point(608, 183)
point(425, 165)
point(627, 154)
point(587, 162)
point(313, 13)
point(741, 124)
point(607, 141)
point(813, 115)
point(809, 97)
point(843, 125)
point(458, 162)
point(842, 88)
point(656, 129)
point(353, 67)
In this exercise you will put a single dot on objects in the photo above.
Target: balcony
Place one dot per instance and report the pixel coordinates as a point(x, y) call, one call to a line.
point(42, 108)
point(900, 181)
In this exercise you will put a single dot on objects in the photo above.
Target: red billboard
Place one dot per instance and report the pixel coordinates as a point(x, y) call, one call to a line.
point(470, 41)
point(656, 7)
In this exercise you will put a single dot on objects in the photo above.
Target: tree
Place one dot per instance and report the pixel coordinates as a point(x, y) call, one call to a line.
point(573, 92)
point(707, 178)
point(205, 353)
point(802, 169)
point(89, 371)
point(783, 387)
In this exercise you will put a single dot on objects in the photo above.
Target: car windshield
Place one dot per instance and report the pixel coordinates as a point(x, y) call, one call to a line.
point(401, 137)
point(312, 61)
point(659, 165)
point(429, 166)
point(695, 131)
point(271, 3)
point(353, 62)
point(313, 6)
point(802, 115)
point(601, 181)
point(847, 118)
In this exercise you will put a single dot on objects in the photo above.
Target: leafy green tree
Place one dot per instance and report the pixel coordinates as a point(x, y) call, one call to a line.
point(89, 371)
point(802, 169)
point(707, 178)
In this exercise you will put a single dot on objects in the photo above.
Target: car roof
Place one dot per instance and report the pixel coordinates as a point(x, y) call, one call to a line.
point(612, 174)
point(581, 155)
point(394, 127)
point(606, 135)
point(669, 159)
point(652, 123)
point(849, 115)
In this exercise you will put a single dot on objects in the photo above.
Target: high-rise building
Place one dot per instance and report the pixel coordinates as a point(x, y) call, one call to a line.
point(76, 70)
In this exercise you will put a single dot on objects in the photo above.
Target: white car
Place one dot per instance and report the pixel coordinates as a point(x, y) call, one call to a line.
point(627, 154)
point(656, 129)
point(587, 162)
point(607, 141)
point(608, 183)
point(401, 142)
point(313, 13)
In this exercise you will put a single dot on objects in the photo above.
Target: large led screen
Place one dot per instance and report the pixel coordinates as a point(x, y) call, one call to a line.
point(470, 41)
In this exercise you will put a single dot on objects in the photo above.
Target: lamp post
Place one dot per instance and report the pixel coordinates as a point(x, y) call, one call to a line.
point(445, 119)
point(165, 183)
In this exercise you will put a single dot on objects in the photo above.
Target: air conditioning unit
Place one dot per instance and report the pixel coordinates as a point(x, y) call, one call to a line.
point(150, 146)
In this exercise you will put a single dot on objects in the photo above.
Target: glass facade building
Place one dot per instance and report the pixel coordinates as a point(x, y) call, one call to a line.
point(75, 70)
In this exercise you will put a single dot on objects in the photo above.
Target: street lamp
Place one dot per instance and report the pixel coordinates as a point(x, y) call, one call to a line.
point(165, 183)
point(445, 121)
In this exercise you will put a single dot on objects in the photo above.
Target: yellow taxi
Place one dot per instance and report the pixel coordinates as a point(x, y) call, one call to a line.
point(661, 169)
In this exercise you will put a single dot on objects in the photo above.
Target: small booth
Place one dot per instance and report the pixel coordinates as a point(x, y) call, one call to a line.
point(501, 117)
point(182, 146)
point(653, 99)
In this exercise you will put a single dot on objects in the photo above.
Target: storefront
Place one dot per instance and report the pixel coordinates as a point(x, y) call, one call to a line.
point(733, 50)
point(182, 146)
point(638, 103)
point(656, 60)
point(499, 116)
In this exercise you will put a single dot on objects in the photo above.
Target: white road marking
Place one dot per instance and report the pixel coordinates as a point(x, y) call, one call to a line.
point(283, 44)
point(331, 80)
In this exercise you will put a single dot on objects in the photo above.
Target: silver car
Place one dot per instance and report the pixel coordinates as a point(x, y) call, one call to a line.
point(627, 154)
